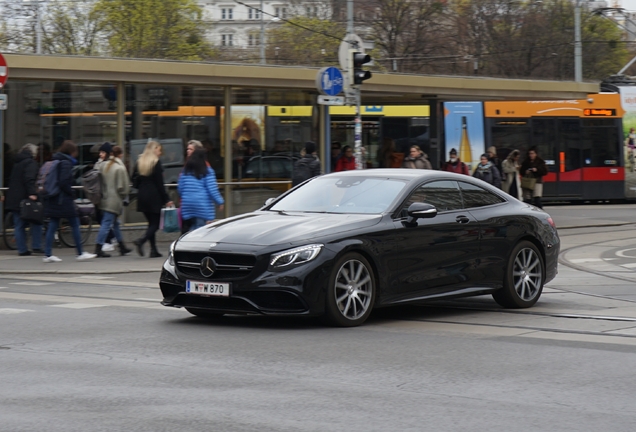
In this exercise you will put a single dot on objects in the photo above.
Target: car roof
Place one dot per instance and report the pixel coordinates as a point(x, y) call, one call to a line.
point(401, 173)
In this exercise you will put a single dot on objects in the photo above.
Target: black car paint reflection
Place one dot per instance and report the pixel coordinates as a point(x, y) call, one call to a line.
point(363, 225)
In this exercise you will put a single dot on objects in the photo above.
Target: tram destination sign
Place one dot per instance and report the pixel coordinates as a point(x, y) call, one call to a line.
point(599, 112)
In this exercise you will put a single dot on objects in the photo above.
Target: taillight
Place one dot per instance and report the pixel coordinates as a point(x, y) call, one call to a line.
point(551, 222)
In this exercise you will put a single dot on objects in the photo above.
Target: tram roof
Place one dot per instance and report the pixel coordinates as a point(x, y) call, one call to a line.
point(381, 88)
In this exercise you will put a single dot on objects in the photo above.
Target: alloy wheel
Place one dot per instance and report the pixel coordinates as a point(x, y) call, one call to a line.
point(354, 289)
point(527, 274)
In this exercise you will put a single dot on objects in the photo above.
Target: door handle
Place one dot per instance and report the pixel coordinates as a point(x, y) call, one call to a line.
point(462, 219)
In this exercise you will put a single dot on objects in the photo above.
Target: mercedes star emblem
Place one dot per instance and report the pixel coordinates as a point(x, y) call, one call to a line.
point(208, 267)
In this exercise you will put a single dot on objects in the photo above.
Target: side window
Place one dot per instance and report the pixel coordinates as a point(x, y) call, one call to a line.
point(444, 195)
point(475, 196)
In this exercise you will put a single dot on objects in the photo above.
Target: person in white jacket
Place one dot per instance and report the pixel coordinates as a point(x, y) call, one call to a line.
point(512, 181)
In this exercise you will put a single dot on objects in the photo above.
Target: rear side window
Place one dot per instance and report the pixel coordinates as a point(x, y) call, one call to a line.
point(476, 196)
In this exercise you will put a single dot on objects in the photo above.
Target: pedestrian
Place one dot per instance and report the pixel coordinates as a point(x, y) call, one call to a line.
point(22, 185)
point(512, 182)
point(417, 159)
point(347, 161)
point(104, 152)
point(488, 172)
point(493, 158)
point(62, 205)
point(115, 188)
point(454, 164)
point(534, 169)
point(336, 148)
point(199, 193)
point(151, 195)
point(308, 166)
point(387, 156)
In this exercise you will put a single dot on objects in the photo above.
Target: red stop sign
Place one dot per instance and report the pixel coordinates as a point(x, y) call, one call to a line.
point(4, 71)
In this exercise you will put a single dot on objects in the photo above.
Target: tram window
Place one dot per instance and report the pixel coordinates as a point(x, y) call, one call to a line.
point(544, 137)
point(601, 146)
point(511, 137)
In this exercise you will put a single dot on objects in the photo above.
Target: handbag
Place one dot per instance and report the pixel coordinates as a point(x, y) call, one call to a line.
point(528, 182)
point(32, 211)
point(169, 220)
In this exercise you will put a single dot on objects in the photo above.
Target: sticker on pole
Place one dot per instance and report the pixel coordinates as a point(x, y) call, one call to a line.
point(4, 71)
point(4, 102)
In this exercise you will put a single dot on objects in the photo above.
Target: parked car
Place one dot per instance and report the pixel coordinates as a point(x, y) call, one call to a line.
point(342, 244)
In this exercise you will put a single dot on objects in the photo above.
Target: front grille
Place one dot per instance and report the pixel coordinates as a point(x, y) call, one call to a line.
point(228, 266)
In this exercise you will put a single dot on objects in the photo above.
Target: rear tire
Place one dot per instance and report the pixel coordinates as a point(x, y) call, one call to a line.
point(202, 313)
point(525, 275)
point(351, 291)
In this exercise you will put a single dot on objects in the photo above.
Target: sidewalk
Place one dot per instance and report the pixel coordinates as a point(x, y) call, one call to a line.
point(11, 263)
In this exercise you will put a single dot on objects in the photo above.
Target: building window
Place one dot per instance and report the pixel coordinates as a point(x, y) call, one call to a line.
point(281, 12)
point(311, 12)
point(227, 39)
point(253, 14)
point(227, 14)
point(254, 40)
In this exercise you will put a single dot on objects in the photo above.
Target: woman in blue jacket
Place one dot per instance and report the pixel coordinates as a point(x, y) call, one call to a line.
point(199, 192)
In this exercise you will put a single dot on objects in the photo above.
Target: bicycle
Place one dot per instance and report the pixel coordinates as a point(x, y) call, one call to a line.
point(64, 234)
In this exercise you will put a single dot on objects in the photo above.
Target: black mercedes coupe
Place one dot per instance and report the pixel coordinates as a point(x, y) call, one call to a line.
point(342, 244)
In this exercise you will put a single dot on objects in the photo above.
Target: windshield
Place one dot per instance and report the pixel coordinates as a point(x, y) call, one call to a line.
point(342, 195)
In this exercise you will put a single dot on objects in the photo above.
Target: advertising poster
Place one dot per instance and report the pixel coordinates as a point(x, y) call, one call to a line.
point(628, 101)
point(464, 130)
point(248, 128)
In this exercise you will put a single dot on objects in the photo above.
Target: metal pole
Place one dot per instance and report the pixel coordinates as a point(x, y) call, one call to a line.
point(262, 36)
point(578, 55)
point(350, 17)
point(38, 29)
point(358, 132)
point(227, 147)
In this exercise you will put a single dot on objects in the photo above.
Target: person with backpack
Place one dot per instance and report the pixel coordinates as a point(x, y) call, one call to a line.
point(22, 186)
point(115, 187)
point(92, 184)
point(151, 194)
point(56, 180)
point(306, 167)
point(199, 192)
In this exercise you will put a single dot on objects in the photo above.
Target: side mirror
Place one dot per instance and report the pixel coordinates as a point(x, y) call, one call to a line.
point(420, 210)
point(269, 201)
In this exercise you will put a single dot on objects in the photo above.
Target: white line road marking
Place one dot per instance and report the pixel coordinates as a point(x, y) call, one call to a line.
point(95, 277)
point(629, 265)
point(584, 260)
point(31, 283)
point(77, 305)
point(622, 254)
point(84, 281)
point(11, 311)
point(154, 300)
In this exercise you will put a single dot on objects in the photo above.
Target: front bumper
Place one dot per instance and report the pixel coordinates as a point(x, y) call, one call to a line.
point(297, 291)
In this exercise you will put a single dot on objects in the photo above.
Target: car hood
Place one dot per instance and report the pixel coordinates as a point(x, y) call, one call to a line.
point(270, 228)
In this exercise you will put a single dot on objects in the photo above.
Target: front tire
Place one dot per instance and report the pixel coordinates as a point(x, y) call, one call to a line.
point(351, 291)
point(525, 275)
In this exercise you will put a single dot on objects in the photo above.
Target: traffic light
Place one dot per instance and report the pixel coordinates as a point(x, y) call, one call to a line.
point(357, 60)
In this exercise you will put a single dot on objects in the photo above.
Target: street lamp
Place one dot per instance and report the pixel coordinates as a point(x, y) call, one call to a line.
point(263, 25)
point(578, 49)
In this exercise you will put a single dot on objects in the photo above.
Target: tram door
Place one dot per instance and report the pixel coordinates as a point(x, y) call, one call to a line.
point(560, 142)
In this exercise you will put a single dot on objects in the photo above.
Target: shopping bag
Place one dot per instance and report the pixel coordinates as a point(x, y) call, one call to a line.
point(32, 211)
point(169, 221)
point(528, 182)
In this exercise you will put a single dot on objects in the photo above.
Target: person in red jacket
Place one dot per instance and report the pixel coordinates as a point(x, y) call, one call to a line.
point(347, 161)
point(454, 164)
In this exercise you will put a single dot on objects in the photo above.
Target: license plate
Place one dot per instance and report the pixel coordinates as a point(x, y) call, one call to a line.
point(221, 289)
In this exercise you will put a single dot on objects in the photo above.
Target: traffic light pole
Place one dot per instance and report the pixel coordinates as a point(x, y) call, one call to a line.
point(358, 132)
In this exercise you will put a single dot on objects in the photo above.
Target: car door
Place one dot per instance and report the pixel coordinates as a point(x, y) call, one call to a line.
point(496, 226)
point(438, 254)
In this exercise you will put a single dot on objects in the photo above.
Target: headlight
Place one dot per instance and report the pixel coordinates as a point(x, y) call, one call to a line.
point(171, 253)
point(299, 255)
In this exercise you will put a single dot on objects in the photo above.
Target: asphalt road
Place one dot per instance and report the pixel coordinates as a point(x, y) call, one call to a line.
point(97, 353)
